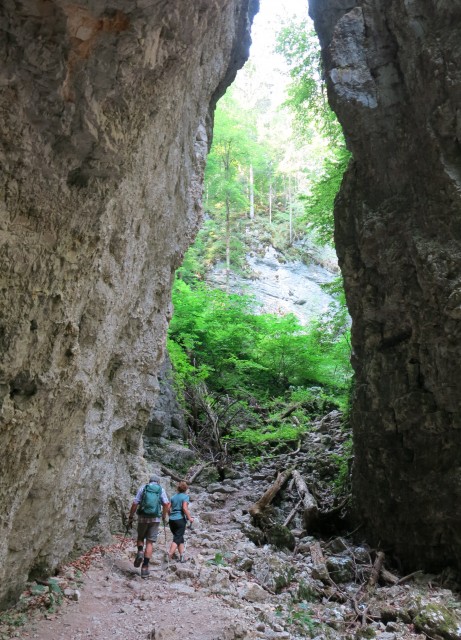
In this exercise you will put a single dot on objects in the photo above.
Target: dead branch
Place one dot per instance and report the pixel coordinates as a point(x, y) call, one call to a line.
point(170, 473)
point(190, 477)
point(292, 453)
point(267, 497)
point(289, 411)
point(311, 511)
point(409, 576)
point(377, 565)
point(292, 514)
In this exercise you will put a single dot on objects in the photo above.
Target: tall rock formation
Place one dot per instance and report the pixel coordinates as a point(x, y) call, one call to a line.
point(105, 121)
point(394, 78)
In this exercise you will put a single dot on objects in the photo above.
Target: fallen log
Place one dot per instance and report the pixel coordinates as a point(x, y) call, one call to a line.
point(311, 510)
point(388, 577)
point(289, 411)
point(286, 413)
point(191, 477)
point(320, 571)
point(267, 497)
point(170, 473)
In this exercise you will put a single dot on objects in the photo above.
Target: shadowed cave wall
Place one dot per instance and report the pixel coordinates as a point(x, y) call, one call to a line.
point(105, 118)
point(393, 70)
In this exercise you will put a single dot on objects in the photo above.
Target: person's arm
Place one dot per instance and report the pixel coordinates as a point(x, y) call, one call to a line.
point(165, 511)
point(185, 509)
point(134, 506)
point(166, 506)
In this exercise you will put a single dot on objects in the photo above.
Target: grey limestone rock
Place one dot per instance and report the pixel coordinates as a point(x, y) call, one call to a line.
point(394, 80)
point(106, 112)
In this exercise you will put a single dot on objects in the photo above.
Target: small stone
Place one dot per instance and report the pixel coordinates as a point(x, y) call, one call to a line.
point(338, 545)
point(341, 568)
point(253, 592)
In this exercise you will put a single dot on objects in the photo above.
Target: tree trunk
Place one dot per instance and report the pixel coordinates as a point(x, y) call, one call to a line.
point(311, 512)
point(270, 203)
point(252, 194)
point(228, 236)
point(290, 208)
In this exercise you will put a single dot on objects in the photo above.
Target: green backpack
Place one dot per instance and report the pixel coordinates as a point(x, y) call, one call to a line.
point(151, 504)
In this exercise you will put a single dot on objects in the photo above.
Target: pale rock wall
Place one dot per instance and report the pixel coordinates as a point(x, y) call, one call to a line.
point(105, 121)
point(393, 69)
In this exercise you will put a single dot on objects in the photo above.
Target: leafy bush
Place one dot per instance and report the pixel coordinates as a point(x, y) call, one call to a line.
point(254, 380)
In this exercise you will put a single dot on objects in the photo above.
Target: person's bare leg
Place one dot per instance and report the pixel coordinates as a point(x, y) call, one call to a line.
point(149, 549)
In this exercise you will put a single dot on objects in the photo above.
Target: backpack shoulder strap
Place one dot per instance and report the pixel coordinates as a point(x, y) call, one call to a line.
point(142, 496)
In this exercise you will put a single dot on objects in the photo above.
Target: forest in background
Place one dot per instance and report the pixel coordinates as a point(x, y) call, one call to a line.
point(251, 382)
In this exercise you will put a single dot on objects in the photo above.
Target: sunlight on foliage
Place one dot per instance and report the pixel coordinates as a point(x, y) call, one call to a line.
point(262, 361)
point(249, 380)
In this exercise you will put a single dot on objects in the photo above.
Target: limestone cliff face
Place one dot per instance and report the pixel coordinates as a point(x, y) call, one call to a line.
point(105, 122)
point(394, 78)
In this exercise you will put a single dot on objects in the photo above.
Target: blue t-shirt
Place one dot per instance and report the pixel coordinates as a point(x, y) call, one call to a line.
point(177, 500)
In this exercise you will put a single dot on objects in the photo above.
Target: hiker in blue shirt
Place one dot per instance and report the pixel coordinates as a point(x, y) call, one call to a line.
point(151, 503)
point(179, 515)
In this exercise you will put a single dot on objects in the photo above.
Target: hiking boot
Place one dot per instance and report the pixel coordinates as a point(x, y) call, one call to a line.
point(145, 572)
point(182, 558)
point(139, 558)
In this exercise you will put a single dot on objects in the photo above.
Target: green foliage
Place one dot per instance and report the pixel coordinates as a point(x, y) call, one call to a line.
point(235, 350)
point(299, 44)
point(254, 366)
point(222, 349)
point(300, 616)
point(307, 100)
point(12, 618)
point(271, 433)
point(319, 204)
point(219, 559)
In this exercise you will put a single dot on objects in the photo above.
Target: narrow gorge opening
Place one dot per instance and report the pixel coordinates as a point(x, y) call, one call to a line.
point(259, 339)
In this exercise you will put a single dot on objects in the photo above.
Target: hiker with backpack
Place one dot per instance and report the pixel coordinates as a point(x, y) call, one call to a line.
point(179, 516)
point(151, 504)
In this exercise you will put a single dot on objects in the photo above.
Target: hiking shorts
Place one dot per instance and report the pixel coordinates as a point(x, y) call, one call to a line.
point(148, 531)
point(178, 528)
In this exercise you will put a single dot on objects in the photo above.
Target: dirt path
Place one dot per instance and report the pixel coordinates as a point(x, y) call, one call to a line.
point(193, 599)
point(230, 589)
point(122, 605)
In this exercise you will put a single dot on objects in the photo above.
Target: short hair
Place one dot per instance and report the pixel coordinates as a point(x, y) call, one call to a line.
point(155, 478)
point(182, 486)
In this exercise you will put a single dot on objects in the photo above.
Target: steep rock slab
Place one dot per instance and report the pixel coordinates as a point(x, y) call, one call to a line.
point(394, 78)
point(105, 122)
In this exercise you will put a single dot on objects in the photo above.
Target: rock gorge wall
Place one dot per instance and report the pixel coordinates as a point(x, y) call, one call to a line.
point(394, 78)
point(105, 120)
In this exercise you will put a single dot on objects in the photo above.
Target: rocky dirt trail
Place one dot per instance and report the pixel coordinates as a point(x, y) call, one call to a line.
point(231, 588)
